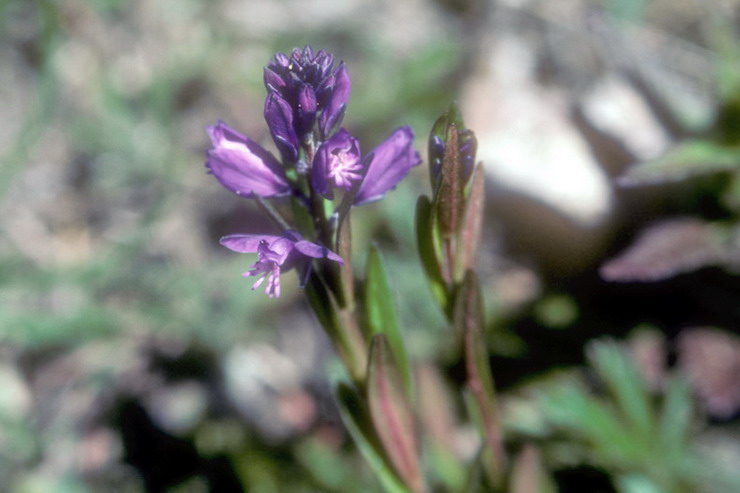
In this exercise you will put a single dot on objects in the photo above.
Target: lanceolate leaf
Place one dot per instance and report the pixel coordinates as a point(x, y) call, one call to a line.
point(528, 474)
point(439, 425)
point(468, 321)
point(428, 251)
point(344, 249)
point(450, 199)
point(673, 247)
point(357, 420)
point(625, 383)
point(382, 317)
point(392, 416)
point(468, 238)
point(687, 159)
point(474, 478)
point(676, 414)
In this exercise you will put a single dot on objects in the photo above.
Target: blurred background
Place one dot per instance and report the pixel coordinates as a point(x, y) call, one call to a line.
point(133, 355)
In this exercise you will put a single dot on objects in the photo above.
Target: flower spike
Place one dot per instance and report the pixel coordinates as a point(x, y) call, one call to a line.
point(312, 87)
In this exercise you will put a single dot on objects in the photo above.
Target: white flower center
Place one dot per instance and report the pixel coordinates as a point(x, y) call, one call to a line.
point(344, 168)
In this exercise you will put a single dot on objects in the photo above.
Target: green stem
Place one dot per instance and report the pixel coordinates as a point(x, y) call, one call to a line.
point(341, 327)
point(272, 213)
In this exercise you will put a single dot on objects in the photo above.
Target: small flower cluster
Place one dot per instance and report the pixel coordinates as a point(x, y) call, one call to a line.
point(307, 94)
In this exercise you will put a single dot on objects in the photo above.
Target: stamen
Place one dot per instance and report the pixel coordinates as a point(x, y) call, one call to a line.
point(344, 169)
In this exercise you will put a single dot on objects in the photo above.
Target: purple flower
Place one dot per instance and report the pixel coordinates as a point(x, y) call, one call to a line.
point(243, 166)
point(276, 254)
point(302, 88)
point(387, 165)
point(336, 102)
point(337, 164)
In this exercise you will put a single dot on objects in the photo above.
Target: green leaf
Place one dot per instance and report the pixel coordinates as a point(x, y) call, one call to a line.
point(428, 251)
point(344, 250)
point(474, 479)
point(687, 159)
point(622, 432)
point(357, 420)
point(572, 409)
point(392, 415)
point(382, 317)
point(637, 483)
point(618, 371)
point(676, 414)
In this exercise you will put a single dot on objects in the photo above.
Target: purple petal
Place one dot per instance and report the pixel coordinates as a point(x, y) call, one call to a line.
point(468, 150)
point(282, 59)
point(281, 248)
point(387, 165)
point(310, 249)
point(324, 59)
point(436, 152)
point(306, 108)
point(279, 117)
point(273, 80)
point(320, 173)
point(334, 110)
point(317, 251)
point(246, 243)
point(243, 166)
point(278, 254)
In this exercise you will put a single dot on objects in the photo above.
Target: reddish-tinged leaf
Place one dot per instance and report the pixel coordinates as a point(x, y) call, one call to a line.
point(392, 416)
point(468, 238)
point(528, 474)
point(449, 202)
point(469, 321)
point(382, 317)
point(436, 407)
point(439, 425)
point(711, 359)
point(438, 138)
point(356, 418)
point(669, 248)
